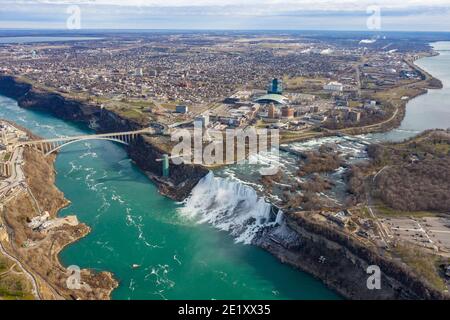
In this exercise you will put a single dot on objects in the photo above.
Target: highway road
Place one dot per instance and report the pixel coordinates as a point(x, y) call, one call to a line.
point(29, 275)
point(13, 183)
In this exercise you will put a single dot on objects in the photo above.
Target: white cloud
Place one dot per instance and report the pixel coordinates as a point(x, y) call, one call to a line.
point(356, 5)
point(261, 14)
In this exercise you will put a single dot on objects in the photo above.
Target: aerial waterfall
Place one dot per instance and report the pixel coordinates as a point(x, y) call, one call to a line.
point(229, 206)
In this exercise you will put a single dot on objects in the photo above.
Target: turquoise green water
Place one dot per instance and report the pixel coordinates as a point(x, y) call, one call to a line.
point(132, 224)
point(180, 259)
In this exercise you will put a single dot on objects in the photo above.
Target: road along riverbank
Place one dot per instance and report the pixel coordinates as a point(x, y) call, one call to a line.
point(111, 121)
point(34, 234)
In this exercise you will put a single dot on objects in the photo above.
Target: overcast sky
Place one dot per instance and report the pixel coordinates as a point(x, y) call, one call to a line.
point(414, 15)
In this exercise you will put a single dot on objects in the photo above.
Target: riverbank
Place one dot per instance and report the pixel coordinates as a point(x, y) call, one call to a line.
point(38, 249)
point(144, 151)
point(341, 262)
point(108, 121)
point(396, 98)
point(111, 195)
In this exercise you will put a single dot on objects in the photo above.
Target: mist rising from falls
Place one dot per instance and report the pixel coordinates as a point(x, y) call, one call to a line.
point(229, 206)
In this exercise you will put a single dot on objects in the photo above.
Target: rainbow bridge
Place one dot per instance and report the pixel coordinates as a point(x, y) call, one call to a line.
point(48, 146)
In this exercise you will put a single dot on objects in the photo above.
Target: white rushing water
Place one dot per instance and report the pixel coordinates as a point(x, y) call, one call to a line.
point(229, 206)
point(230, 202)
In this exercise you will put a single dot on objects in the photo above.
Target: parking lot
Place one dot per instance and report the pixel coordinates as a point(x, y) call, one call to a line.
point(430, 232)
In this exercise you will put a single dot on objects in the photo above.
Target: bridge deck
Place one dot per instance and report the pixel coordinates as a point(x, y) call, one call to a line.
point(85, 137)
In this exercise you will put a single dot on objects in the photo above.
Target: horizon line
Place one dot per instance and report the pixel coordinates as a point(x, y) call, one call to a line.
point(224, 29)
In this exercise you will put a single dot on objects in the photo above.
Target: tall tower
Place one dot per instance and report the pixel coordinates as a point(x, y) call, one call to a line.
point(165, 166)
point(275, 87)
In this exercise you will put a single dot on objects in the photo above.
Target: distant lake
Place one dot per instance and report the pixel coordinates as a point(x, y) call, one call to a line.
point(43, 39)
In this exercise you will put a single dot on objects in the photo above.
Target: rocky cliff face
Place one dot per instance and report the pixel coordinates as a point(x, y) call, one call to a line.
point(43, 257)
point(58, 106)
point(182, 178)
point(12, 88)
point(346, 262)
point(342, 263)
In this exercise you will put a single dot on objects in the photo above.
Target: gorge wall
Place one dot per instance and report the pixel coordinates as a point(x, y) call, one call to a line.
point(344, 269)
point(345, 263)
point(142, 151)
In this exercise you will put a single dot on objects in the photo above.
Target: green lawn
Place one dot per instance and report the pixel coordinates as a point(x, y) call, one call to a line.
point(424, 264)
point(13, 286)
point(384, 210)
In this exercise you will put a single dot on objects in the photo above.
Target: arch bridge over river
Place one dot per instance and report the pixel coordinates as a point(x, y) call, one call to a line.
point(48, 146)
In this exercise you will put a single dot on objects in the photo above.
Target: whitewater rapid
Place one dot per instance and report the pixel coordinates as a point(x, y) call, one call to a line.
point(229, 206)
point(228, 199)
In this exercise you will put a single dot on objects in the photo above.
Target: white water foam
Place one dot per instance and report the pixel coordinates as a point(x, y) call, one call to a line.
point(229, 206)
point(159, 275)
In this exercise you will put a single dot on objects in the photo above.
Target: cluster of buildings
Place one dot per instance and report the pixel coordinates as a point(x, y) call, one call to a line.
point(386, 69)
point(360, 226)
point(9, 135)
point(273, 107)
point(165, 69)
point(354, 110)
point(192, 72)
point(289, 110)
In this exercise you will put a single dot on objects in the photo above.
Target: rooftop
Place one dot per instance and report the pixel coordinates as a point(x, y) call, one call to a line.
point(272, 98)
